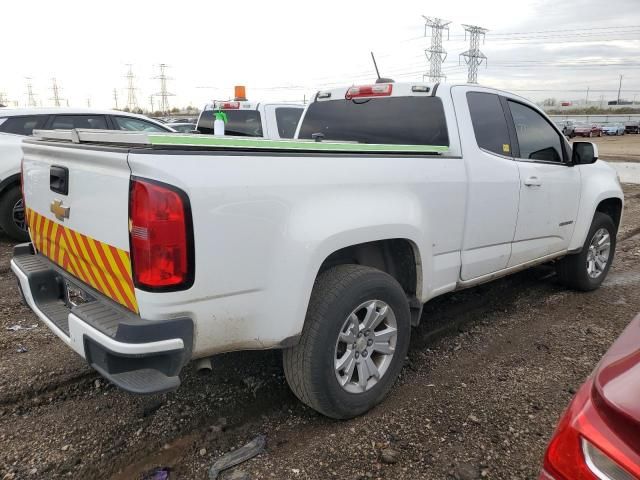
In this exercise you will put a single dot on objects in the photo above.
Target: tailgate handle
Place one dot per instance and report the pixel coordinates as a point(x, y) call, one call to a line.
point(59, 179)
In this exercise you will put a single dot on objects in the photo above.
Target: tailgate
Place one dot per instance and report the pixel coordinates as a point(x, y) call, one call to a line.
point(83, 228)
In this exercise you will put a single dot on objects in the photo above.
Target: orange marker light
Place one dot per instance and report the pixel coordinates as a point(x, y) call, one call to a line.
point(240, 93)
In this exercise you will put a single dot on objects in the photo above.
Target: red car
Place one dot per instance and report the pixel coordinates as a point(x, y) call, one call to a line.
point(587, 130)
point(598, 437)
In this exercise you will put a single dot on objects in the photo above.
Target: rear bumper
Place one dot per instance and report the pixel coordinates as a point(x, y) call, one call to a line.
point(140, 356)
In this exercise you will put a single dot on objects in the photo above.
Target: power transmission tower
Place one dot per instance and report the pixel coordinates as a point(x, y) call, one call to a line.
point(115, 97)
point(151, 101)
point(132, 103)
point(56, 92)
point(473, 57)
point(619, 88)
point(163, 94)
point(31, 102)
point(435, 53)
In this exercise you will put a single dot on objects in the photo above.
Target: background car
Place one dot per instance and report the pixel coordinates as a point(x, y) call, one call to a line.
point(597, 437)
point(21, 122)
point(567, 127)
point(587, 130)
point(613, 129)
point(632, 127)
point(183, 127)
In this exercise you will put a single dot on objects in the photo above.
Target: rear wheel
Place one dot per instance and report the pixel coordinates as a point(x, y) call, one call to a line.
point(353, 344)
point(587, 270)
point(12, 215)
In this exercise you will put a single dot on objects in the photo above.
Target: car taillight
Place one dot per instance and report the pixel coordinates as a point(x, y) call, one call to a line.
point(378, 90)
point(572, 453)
point(161, 236)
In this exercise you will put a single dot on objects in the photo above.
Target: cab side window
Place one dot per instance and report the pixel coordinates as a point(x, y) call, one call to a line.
point(537, 139)
point(489, 122)
point(287, 119)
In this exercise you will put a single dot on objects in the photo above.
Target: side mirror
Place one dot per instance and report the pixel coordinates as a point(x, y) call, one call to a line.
point(584, 153)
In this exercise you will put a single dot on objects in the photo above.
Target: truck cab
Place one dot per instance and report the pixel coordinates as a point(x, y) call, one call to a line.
point(252, 119)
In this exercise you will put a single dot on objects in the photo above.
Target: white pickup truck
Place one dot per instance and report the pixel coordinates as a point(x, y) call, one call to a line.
point(252, 119)
point(151, 250)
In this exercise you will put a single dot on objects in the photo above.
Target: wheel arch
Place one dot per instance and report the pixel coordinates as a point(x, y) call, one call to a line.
point(10, 181)
point(399, 257)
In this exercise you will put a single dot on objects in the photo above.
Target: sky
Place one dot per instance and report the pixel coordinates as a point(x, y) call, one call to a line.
point(287, 50)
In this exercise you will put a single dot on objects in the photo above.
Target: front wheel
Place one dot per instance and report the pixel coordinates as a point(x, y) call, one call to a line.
point(587, 270)
point(353, 344)
point(12, 215)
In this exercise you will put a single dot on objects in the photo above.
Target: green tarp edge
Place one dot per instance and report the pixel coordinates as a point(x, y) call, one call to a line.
point(210, 141)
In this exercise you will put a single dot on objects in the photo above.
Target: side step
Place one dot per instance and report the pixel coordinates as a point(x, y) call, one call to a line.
point(143, 381)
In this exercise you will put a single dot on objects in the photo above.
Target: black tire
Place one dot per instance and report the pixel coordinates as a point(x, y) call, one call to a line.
point(309, 366)
point(572, 269)
point(8, 201)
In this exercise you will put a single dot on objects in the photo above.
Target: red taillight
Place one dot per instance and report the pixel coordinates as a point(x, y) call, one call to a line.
point(582, 430)
point(377, 90)
point(161, 236)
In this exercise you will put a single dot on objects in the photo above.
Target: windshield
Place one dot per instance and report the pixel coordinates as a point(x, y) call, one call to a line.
point(241, 123)
point(391, 120)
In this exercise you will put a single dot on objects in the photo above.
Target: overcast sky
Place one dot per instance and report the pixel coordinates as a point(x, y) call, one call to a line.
point(285, 50)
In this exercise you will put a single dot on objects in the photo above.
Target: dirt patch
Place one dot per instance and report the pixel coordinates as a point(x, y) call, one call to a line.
point(488, 373)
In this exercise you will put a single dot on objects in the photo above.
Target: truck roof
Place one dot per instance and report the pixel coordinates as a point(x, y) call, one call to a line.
point(399, 89)
point(246, 105)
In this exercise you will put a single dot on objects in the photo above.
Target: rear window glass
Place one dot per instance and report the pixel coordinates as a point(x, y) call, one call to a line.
point(392, 120)
point(23, 125)
point(240, 123)
point(287, 119)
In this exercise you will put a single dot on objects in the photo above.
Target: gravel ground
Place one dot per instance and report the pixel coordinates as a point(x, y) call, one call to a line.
point(488, 373)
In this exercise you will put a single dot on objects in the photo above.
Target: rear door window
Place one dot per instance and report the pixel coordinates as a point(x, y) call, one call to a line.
point(22, 125)
point(240, 123)
point(391, 120)
point(67, 122)
point(489, 123)
point(287, 119)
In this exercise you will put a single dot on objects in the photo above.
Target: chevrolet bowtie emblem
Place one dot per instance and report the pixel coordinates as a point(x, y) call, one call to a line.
point(59, 211)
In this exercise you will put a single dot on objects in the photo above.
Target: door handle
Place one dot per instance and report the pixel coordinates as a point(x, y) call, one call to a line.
point(533, 182)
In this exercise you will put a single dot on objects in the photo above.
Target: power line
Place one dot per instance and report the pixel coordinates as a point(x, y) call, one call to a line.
point(435, 53)
point(474, 57)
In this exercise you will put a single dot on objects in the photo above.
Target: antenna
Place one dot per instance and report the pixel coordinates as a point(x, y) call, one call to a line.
point(379, 79)
point(375, 65)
